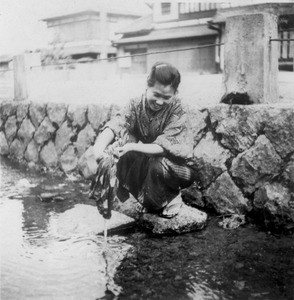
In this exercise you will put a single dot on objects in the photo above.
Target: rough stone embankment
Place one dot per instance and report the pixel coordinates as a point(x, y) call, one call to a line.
point(244, 155)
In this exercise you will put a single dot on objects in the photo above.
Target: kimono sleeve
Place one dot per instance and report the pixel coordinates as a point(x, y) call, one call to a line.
point(123, 120)
point(177, 138)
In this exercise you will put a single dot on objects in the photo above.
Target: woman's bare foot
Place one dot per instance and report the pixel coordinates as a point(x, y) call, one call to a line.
point(173, 208)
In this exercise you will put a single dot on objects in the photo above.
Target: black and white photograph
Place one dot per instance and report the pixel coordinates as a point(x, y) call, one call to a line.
point(146, 150)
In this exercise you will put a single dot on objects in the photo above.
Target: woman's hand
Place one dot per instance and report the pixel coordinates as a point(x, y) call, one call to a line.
point(125, 149)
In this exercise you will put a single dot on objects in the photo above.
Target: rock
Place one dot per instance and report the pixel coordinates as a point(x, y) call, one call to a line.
point(48, 155)
point(87, 163)
point(4, 150)
point(22, 111)
point(209, 159)
point(97, 115)
point(26, 131)
point(56, 112)
point(63, 137)
point(288, 173)
point(255, 166)
point(44, 132)
point(276, 201)
point(68, 160)
point(189, 218)
point(237, 126)
point(32, 153)
point(17, 149)
point(85, 139)
point(7, 109)
point(198, 122)
point(24, 183)
point(279, 129)
point(77, 114)
point(50, 197)
point(225, 197)
point(37, 113)
point(10, 129)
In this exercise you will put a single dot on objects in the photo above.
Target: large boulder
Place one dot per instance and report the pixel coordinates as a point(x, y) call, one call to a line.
point(85, 139)
point(225, 197)
point(17, 149)
point(87, 164)
point(68, 160)
point(198, 123)
point(26, 131)
point(77, 115)
point(48, 156)
point(288, 173)
point(252, 168)
point(97, 115)
point(279, 129)
point(10, 128)
point(237, 126)
point(22, 111)
point(32, 153)
point(44, 132)
point(63, 137)
point(56, 112)
point(4, 150)
point(209, 159)
point(276, 203)
point(37, 113)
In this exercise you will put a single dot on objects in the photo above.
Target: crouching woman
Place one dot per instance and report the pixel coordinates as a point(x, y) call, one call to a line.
point(152, 164)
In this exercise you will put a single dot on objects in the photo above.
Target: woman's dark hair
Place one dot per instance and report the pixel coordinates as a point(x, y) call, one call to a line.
point(165, 74)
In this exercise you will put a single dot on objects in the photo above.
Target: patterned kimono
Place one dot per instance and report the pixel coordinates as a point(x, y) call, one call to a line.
point(154, 180)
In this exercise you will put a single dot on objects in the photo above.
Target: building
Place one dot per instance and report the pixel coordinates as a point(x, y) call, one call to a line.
point(172, 25)
point(183, 25)
point(86, 32)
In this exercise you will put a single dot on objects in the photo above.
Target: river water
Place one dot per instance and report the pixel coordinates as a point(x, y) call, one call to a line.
point(54, 250)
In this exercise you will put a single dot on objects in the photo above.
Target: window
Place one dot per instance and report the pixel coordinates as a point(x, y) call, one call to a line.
point(165, 8)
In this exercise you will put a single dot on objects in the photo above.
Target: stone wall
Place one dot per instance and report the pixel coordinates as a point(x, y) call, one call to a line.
point(244, 155)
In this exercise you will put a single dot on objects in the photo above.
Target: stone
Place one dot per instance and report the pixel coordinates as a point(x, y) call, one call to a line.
point(198, 122)
point(22, 111)
point(288, 173)
point(26, 131)
point(68, 160)
point(97, 115)
point(189, 218)
point(56, 112)
point(48, 156)
point(4, 150)
point(257, 165)
point(209, 159)
point(44, 132)
point(32, 153)
point(87, 164)
point(7, 109)
point(17, 149)
point(279, 129)
point(77, 115)
point(276, 201)
point(237, 126)
point(37, 113)
point(85, 139)
point(10, 128)
point(225, 197)
point(63, 137)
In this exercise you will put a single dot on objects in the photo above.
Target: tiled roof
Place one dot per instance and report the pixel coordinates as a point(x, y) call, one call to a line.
point(169, 33)
point(139, 25)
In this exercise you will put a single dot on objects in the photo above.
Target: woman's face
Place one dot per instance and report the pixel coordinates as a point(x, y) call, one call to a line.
point(159, 95)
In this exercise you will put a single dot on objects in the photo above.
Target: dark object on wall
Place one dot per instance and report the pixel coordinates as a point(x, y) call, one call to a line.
point(236, 98)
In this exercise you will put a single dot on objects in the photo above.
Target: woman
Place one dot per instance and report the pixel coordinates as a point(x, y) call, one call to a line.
point(152, 163)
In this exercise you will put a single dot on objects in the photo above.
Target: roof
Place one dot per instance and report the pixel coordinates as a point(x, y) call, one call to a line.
point(142, 24)
point(168, 34)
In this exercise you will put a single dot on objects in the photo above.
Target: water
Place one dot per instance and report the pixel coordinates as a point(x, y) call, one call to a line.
point(51, 250)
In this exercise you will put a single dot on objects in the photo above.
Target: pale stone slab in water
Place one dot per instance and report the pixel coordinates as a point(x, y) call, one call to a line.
point(188, 219)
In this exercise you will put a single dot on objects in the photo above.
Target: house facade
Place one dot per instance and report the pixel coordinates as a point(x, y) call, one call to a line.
point(172, 25)
point(87, 33)
point(177, 25)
